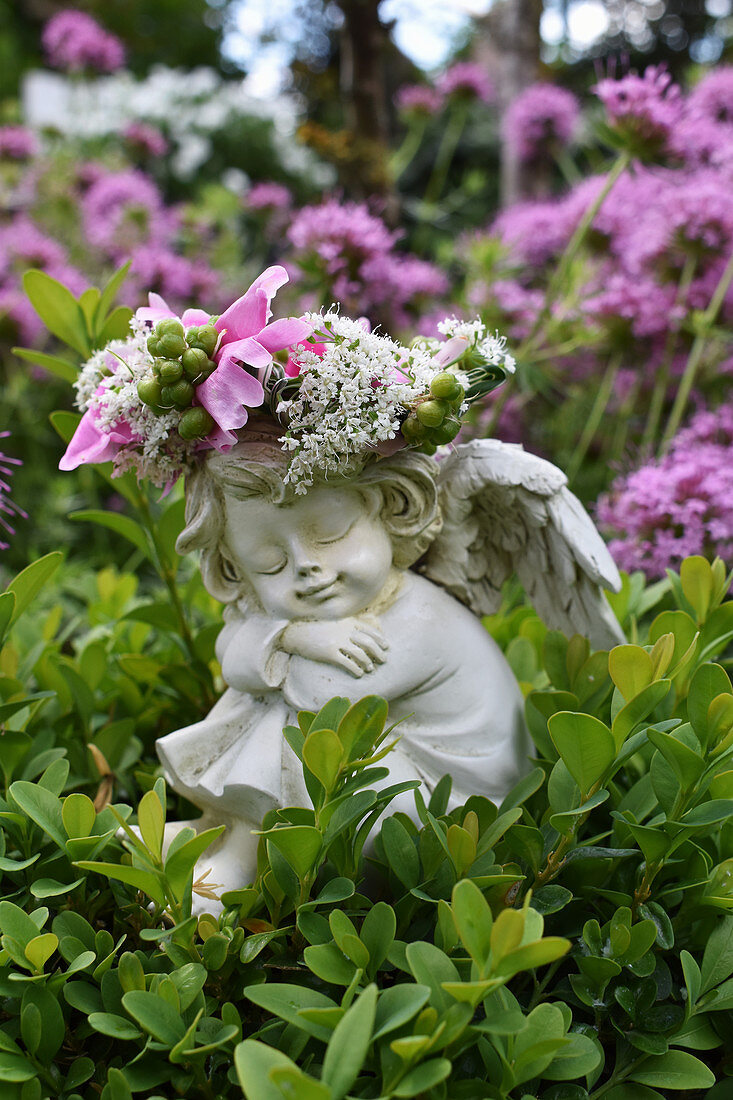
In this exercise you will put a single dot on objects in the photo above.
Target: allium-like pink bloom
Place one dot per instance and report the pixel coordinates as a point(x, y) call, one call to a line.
point(713, 97)
point(73, 41)
point(468, 80)
point(639, 305)
point(644, 110)
point(124, 209)
point(145, 139)
point(24, 245)
point(418, 99)
point(337, 231)
point(541, 121)
point(17, 143)
point(158, 268)
point(8, 508)
point(268, 196)
point(680, 505)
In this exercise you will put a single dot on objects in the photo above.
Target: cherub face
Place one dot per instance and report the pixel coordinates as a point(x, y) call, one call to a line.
point(325, 555)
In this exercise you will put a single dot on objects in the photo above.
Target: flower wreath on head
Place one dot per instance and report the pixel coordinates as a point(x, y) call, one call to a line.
point(180, 386)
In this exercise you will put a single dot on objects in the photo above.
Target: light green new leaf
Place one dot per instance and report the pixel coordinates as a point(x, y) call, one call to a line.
point(300, 844)
point(254, 1063)
point(151, 820)
point(40, 949)
point(324, 756)
point(125, 526)
point(52, 363)
point(585, 745)
point(29, 582)
point(637, 709)
point(296, 1085)
point(78, 815)
point(631, 669)
point(43, 807)
point(181, 861)
point(154, 1015)
point(143, 880)
point(687, 765)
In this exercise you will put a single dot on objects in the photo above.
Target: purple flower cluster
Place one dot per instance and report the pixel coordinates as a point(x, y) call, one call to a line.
point(351, 252)
point(121, 210)
point(158, 268)
point(644, 110)
point(540, 121)
point(268, 196)
point(17, 143)
point(680, 505)
point(23, 245)
point(419, 99)
point(145, 139)
point(73, 41)
point(467, 80)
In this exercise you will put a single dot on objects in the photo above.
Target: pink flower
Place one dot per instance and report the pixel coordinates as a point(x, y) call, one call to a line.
point(644, 110)
point(145, 139)
point(17, 143)
point(418, 99)
point(268, 196)
point(90, 444)
point(74, 41)
point(543, 119)
point(468, 80)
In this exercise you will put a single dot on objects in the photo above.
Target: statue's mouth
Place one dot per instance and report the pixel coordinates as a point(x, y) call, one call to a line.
point(319, 592)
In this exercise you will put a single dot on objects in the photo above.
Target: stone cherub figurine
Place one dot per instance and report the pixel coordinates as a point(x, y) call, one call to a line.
point(364, 587)
point(352, 559)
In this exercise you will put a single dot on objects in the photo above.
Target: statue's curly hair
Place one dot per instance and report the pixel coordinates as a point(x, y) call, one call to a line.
point(406, 482)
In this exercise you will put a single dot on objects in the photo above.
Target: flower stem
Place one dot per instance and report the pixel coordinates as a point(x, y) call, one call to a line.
point(446, 150)
point(404, 156)
point(706, 323)
point(662, 380)
point(600, 405)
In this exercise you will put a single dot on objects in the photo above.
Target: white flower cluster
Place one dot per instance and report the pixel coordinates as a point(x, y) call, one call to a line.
point(107, 384)
point(490, 346)
point(351, 399)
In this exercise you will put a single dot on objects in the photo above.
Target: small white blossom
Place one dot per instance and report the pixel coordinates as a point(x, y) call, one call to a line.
point(491, 346)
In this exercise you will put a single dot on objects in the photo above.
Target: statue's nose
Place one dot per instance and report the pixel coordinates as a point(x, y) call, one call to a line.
point(307, 569)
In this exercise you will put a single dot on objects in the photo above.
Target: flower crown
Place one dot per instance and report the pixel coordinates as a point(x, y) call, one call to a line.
point(333, 390)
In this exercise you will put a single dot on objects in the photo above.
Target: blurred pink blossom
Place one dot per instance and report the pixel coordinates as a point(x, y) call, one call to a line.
point(73, 41)
point(468, 80)
point(541, 121)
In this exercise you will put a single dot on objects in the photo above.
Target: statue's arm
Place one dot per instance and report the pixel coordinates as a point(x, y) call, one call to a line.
point(250, 653)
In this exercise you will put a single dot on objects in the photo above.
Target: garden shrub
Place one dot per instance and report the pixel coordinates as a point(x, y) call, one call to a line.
point(574, 942)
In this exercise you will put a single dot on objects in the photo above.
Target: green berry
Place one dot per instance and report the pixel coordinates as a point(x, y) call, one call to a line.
point(431, 413)
point(153, 345)
point(447, 431)
point(149, 391)
point(172, 346)
point(171, 326)
point(412, 429)
point(192, 335)
point(181, 393)
point(428, 449)
point(170, 370)
point(195, 362)
point(195, 424)
point(207, 338)
point(444, 386)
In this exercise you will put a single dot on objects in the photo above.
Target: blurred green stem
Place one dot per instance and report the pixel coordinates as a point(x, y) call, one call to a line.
point(661, 383)
point(404, 156)
point(446, 150)
point(600, 405)
point(705, 324)
point(558, 279)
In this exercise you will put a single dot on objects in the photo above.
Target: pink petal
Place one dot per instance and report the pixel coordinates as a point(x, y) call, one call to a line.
point(219, 440)
point(90, 444)
point(195, 317)
point(251, 312)
point(245, 317)
point(450, 351)
point(156, 310)
point(281, 334)
point(292, 369)
point(225, 393)
point(249, 351)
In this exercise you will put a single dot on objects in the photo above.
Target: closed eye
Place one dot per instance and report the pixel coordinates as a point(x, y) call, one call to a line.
point(337, 538)
point(271, 571)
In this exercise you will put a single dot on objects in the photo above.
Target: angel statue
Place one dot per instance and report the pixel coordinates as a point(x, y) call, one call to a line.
point(353, 544)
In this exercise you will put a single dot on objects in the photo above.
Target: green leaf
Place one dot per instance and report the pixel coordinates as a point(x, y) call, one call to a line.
point(28, 583)
point(14, 1067)
point(117, 1027)
point(396, 1005)
point(579, 1058)
point(58, 309)
point(585, 745)
point(181, 861)
point(349, 1044)
point(674, 1070)
point(430, 966)
point(532, 955)
point(62, 368)
point(473, 920)
point(254, 1063)
point(717, 961)
point(40, 949)
point(42, 807)
point(401, 852)
point(631, 670)
point(324, 756)
point(125, 526)
point(53, 1026)
point(709, 681)
point(151, 820)
point(423, 1077)
point(154, 1015)
point(116, 327)
point(687, 765)
point(78, 815)
point(112, 289)
point(362, 724)
point(639, 708)
point(296, 1085)
point(289, 1001)
point(300, 844)
point(378, 932)
point(328, 964)
point(143, 880)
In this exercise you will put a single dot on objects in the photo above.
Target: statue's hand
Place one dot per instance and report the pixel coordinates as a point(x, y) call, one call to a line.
point(356, 644)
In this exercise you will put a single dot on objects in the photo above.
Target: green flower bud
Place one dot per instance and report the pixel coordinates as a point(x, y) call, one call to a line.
point(207, 339)
point(153, 345)
point(171, 326)
point(192, 335)
point(195, 424)
point(195, 362)
point(445, 386)
point(428, 449)
point(447, 431)
point(180, 393)
point(170, 370)
point(172, 346)
point(431, 413)
point(149, 391)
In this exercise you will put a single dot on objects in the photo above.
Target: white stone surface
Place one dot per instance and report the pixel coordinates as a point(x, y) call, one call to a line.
point(364, 587)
